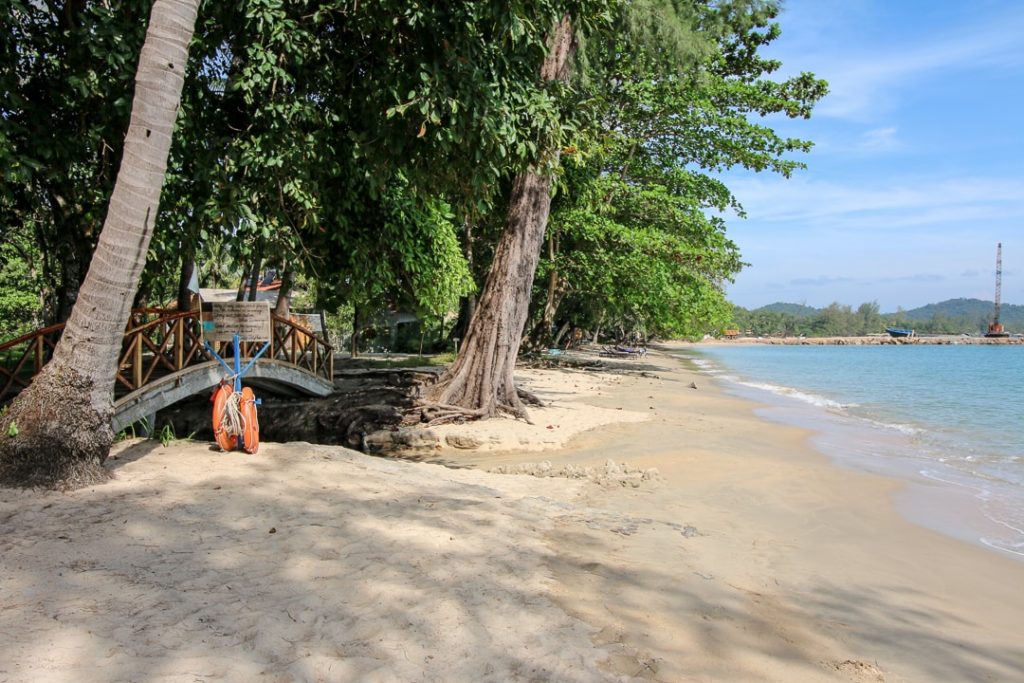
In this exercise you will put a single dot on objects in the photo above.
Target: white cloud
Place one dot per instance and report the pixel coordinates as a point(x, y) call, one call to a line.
point(861, 84)
point(910, 202)
point(904, 207)
point(879, 140)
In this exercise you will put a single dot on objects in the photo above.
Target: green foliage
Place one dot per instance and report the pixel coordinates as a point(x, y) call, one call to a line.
point(968, 309)
point(649, 263)
point(433, 360)
point(125, 434)
point(353, 144)
point(12, 429)
point(166, 435)
point(954, 316)
point(67, 86)
point(20, 309)
point(797, 310)
point(399, 250)
point(346, 142)
point(635, 243)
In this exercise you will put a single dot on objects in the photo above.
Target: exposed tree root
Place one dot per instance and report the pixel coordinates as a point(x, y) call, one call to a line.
point(518, 412)
point(529, 398)
point(434, 414)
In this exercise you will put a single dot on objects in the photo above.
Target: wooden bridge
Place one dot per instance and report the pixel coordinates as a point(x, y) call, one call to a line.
point(163, 360)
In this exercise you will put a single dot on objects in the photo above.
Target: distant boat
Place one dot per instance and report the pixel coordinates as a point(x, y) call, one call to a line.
point(899, 332)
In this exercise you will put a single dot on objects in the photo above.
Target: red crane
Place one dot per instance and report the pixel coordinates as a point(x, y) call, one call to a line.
point(995, 329)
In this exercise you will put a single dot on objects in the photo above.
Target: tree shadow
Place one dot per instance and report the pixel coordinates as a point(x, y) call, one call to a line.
point(826, 631)
point(319, 566)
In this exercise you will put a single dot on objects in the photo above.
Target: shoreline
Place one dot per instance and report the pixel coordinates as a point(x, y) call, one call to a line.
point(876, 340)
point(750, 555)
point(936, 495)
point(803, 569)
point(873, 340)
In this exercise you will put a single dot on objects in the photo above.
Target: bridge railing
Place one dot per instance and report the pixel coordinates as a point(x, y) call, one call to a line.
point(291, 342)
point(23, 357)
point(159, 342)
point(159, 346)
point(296, 344)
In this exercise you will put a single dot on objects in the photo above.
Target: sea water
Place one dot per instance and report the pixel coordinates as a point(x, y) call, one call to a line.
point(948, 420)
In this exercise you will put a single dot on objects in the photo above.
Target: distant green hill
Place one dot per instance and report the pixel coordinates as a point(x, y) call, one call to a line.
point(954, 316)
point(972, 309)
point(797, 310)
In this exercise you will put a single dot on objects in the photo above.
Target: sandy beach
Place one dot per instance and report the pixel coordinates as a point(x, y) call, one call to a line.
point(686, 540)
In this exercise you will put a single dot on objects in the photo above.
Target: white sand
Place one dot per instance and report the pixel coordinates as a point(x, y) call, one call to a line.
point(302, 563)
point(750, 558)
point(564, 415)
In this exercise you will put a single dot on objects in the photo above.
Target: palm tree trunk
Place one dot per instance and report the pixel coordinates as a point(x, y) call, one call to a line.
point(63, 419)
point(480, 382)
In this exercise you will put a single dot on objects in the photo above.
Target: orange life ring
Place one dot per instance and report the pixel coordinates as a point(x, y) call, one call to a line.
point(247, 407)
point(226, 441)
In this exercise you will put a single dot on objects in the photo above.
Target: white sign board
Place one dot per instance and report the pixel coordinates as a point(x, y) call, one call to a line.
point(250, 320)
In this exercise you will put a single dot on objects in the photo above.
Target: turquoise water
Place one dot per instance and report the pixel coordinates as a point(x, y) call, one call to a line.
point(950, 418)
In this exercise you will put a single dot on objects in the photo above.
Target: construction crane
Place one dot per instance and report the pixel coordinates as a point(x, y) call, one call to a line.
point(995, 329)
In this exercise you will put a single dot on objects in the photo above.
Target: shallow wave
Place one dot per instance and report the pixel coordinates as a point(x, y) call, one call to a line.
point(927, 420)
point(1006, 518)
point(1014, 548)
point(790, 392)
point(909, 430)
point(997, 504)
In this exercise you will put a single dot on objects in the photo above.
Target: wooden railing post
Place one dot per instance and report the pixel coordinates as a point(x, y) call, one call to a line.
point(179, 343)
point(40, 346)
point(316, 345)
point(137, 361)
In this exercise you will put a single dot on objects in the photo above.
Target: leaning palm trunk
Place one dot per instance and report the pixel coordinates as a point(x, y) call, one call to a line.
point(480, 382)
point(57, 432)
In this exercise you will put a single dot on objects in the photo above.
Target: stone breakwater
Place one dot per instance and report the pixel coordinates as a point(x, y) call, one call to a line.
point(873, 341)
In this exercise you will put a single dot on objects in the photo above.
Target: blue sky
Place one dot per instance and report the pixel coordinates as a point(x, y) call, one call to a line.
point(918, 165)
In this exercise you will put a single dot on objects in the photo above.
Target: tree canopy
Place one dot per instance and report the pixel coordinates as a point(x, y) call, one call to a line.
point(379, 152)
point(309, 130)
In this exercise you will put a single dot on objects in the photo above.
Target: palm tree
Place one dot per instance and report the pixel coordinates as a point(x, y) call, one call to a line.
point(57, 432)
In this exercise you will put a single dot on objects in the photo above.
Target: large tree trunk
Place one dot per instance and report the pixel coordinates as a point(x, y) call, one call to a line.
point(356, 323)
point(62, 420)
point(480, 382)
point(243, 285)
point(73, 250)
point(254, 276)
point(188, 266)
point(284, 295)
point(543, 333)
